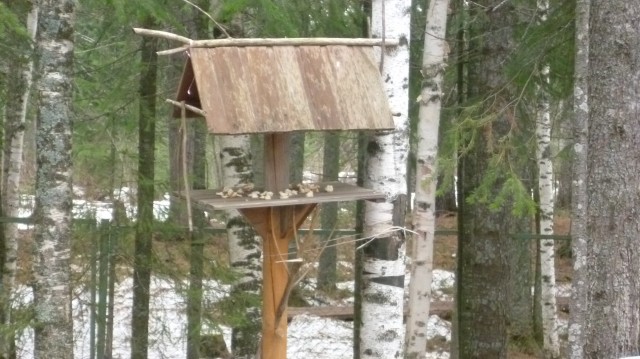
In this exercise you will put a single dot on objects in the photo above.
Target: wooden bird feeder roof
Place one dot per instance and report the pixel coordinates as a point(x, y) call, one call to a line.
point(267, 89)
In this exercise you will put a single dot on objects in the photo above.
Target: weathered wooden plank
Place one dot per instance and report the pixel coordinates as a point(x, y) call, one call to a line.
point(342, 192)
point(288, 88)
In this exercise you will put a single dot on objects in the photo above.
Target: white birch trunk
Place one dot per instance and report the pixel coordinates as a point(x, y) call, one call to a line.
point(20, 73)
point(551, 345)
point(52, 292)
point(382, 330)
point(579, 233)
point(547, 246)
point(244, 244)
point(424, 219)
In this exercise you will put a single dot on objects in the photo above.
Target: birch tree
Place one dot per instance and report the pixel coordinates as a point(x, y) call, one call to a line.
point(433, 65)
point(52, 290)
point(15, 114)
point(612, 320)
point(244, 244)
point(551, 345)
point(382, 330)
point(579, 234)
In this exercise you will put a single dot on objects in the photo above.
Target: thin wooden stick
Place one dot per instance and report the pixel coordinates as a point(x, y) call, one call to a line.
point(301, 41)
point(177, 50)
point(162, 34)
point(224, 31)
point(188, 107)
point(185, 176)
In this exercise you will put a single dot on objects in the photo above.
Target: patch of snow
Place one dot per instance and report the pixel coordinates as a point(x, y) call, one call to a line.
point(438, 328)
point(563, 290)
point(167, 322)
point(311, 337)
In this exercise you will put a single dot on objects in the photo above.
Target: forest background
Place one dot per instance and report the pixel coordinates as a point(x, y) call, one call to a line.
point(513, 97)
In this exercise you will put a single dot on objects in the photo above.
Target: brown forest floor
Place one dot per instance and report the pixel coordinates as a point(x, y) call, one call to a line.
point(171, 256)
point(445, 248)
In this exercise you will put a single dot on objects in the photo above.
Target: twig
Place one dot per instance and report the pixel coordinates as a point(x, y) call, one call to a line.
point(301, 41)
point(224, 31)
point(384, 37)
point(163, 35)
point(295, 276)
point(185, 177)
point(297, 41)
point(188, 107)
point(176, 50)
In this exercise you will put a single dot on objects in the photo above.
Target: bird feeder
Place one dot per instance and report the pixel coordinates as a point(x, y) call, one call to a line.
point(274, 88)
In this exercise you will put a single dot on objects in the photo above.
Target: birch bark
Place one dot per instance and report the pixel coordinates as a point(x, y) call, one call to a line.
point(244, 244)
point(52, 290)
point(551, 345)
point(382, 330)
point(19, 88)
point(579, 233)
point(433, 65)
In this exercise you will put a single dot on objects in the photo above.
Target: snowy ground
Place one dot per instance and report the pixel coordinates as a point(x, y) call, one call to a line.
point(309, 337)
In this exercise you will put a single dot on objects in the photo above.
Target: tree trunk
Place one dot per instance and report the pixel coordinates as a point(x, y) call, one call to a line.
point(197, 257)
point(52, 291)
point(551, 345)
point(486, 263)
point(198, 132)
point(382, 330)
point(296, 157)
point(579, 199)
point(424, 216)
point(146, 175)
point(19, 88)
point(329, 214)
point(612, 321)
point(244, 245)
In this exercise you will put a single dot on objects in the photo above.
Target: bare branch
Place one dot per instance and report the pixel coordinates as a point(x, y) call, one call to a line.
point(188, 107)
point(177, 50)
point(224, 31)
point(162, 34)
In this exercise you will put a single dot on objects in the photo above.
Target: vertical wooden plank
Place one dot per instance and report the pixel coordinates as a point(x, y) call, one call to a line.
point(275, 279)
point(276, 163)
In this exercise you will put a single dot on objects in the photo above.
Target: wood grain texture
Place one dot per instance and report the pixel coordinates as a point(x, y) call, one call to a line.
point(265, 89)
point(342, 192)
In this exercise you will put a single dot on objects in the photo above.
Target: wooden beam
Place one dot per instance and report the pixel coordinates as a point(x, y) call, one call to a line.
point(209, 199)
point(295, 41)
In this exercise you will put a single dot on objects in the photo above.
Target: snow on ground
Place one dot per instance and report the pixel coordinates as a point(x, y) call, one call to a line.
point(167, 323)
point(309, 337)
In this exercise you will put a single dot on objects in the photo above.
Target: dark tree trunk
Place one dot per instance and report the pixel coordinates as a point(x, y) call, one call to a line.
point(198, 133)
point(612, 321)
point(296, 157)
point(493, 267)
point(329, 214)
point(146, 174)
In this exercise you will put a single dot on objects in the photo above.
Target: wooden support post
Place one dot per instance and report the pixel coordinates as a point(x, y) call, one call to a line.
point(275, 248)
point(275, 273)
